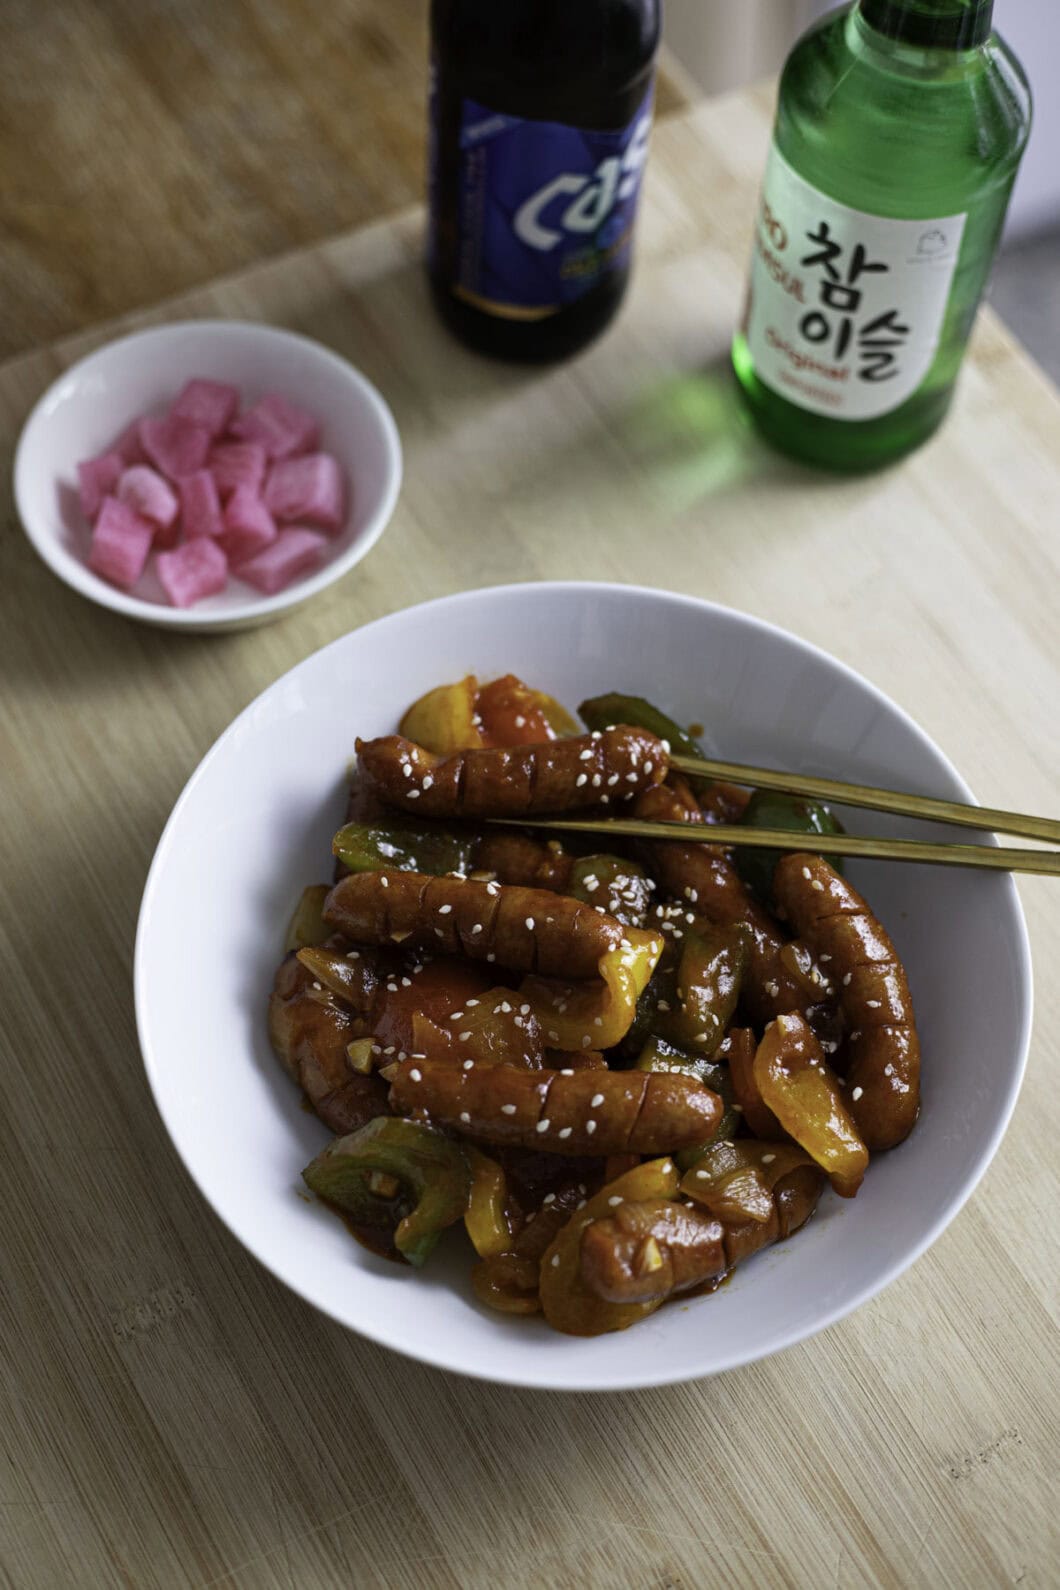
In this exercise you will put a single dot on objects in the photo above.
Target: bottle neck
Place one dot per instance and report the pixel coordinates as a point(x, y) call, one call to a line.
point(930, 24)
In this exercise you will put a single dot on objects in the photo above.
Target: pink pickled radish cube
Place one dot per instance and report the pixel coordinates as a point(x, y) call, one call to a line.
point(193, 570)
point(308, 489)
point(120, 543)
point(280, 427)
point(208, 403)
point(129, 445)
point(294, 552)
point(237, 464)
point(152, 497)
point(175, 446)
point(200, 505)
point(249, 526)
point(96, 477)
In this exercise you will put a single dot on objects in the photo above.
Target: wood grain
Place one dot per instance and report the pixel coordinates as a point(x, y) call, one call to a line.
point(149, 145)
point(170, 1416)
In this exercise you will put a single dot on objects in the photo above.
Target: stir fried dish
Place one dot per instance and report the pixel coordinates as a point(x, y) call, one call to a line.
point(624, 1066)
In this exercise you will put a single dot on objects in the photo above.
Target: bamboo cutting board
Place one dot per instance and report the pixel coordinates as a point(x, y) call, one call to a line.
point(170, 1416)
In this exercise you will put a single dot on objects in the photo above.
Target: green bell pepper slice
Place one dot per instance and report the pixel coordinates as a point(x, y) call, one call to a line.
point(405, 844)
point(620, 886)
point(433, 1172)
point(772, 809)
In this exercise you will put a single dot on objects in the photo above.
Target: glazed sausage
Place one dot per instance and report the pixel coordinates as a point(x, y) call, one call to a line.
point(560, 1112)
point(652, 1250)
point(553, 776)
point(528, 863)
point(882, 1049)
point(705, 877)
point(648, 1250)
point(528, 930)
point(309, 1030)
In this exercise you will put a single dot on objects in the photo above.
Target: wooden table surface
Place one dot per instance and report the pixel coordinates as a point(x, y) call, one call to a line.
point(169, 1415)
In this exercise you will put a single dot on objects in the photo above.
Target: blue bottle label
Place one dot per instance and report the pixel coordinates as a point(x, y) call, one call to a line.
point(546, 211)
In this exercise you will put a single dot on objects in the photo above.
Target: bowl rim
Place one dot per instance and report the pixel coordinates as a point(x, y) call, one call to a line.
point(637, 1379)
point(80, 578)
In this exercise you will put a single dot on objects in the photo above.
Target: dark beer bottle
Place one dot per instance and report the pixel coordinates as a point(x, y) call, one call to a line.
point(539, 121)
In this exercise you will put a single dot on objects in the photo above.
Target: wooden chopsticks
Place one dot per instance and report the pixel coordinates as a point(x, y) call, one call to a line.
point(990, 857)
point(880, 800)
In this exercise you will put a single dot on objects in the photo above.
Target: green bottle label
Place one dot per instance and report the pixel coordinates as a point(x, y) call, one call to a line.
point(844, 308)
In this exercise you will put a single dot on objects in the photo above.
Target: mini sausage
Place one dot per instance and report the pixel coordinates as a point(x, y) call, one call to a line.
point(882, 1049)
point(656, 1249)
point(560, 1112)
point(513, 781)
point(309, 1031)
point(704, 876)
point(653, 1249)
point(528, 930)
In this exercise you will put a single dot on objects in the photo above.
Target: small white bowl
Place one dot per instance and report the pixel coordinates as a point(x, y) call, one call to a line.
point(90, 404)
point(214, 914)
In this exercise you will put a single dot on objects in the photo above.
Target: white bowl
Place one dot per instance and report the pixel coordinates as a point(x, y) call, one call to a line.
point(254, 825)
point(90, 404)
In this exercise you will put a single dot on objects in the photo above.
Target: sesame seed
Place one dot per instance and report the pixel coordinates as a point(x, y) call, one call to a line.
point(824, 957)
point(406, 768)
point(586, 755)
point(444, 910)
point(664, 1005)
point(553, 1035)
point(586, 1041)
point(806, 872)
point(595, 735)
point(520, 721)
point(406, 982)
point(524, 1010)
point(568, 1071)
point(631, 778)
point(613, 780)
point(857, 1094)
point(413, 794)
point(648, 766)
point(597, 1099)
point(615, 1200)
point(464, 1036)
point(590, 1127)
point(604, 799)
point(846, 979)
point(873, 1004)
point(477, 928)
point(598, 1021)
point(469, 1065)
point(818, 885)
point(384, 882)
point(428, 781)
point(702, 1175)
point(391, 988)
point(353, 955)
point(565, 1131)
point(665, 745)
point(530, 923)
point(583, 778)
point(597, 780)
point(579, 1205)
point(504, 1007)
point(465, 1117)
point(390, 1048)
point(507, 1109)
point(767, 1159)
point(491, 957)
point(555, 1261)
point(549, 1198)
point(415, 1075)
point(317, 986)
point(543, 1125)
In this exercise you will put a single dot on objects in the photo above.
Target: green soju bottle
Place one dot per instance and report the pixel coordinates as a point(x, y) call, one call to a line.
point(899, 129)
